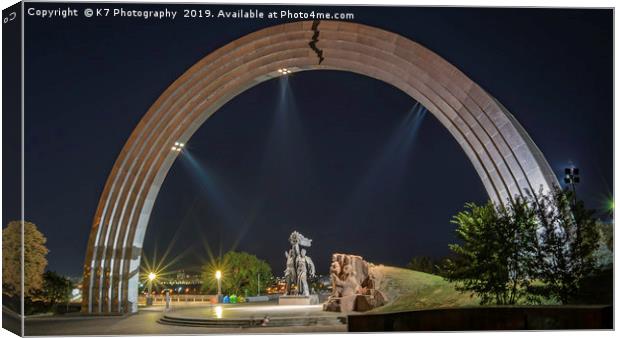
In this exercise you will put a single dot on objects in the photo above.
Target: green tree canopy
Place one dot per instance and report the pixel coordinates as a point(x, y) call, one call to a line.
point(34, 258)
point(497, 254)
point(569, 238)
point(56, 288)
point(422, 264)
point(548, 237)
point(241, 273)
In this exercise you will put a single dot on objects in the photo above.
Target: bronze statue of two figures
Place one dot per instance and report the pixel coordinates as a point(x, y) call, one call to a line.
point(299, 266)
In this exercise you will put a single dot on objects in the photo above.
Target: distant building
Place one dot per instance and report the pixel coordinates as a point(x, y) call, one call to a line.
point(318, 283)
point(183, 283)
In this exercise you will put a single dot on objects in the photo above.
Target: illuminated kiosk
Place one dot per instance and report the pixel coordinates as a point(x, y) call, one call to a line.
point(506, 159)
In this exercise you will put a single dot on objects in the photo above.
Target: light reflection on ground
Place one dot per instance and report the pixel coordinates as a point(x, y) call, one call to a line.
point(249, 310)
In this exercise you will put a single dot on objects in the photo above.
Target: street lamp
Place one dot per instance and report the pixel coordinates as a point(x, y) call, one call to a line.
point(571, 176)
point(218, 276)
point(151, 276)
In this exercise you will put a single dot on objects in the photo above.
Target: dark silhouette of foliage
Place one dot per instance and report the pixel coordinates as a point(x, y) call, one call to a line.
point(549, 237)
point(422, 264)
point(497, 254)
point(569, 237)
point(607, 234)
point(435, 266)
point(56, 288)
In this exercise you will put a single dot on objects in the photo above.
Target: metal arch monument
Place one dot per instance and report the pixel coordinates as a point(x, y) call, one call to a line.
point(506, 159)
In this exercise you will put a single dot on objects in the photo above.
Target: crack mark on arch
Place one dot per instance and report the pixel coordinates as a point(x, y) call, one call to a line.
point(315, 39)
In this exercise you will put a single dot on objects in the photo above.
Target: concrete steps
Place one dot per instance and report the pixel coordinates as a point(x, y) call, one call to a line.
point(248, 322)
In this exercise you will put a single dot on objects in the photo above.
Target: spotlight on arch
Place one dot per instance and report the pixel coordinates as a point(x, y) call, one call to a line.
point(284, 71)
point(178, 146)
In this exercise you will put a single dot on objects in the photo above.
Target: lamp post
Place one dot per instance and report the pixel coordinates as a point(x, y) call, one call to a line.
point(571, 176)
point(218, 276)
point(149, 299)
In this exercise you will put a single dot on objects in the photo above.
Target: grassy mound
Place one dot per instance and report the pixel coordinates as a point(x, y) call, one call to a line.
point(413, 290)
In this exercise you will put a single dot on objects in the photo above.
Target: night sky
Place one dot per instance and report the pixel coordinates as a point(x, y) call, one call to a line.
point(314, 152)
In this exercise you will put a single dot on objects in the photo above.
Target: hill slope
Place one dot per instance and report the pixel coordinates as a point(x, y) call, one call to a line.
point(412, 290)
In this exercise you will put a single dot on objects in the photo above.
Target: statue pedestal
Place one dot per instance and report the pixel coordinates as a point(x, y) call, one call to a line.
point(298, 300)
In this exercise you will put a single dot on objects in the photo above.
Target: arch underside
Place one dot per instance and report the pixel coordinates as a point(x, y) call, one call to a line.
point(506, 159)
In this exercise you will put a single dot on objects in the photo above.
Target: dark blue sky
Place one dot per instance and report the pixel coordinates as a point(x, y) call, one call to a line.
point(321, 167)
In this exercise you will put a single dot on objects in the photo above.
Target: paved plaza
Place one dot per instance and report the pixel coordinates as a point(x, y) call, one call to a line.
point(146, 321)
point(249, 311)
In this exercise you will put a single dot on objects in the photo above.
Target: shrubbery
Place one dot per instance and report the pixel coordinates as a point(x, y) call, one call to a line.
point(529, 250)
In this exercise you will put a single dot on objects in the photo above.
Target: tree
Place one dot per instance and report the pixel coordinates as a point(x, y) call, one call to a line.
point(34, 258)
point(569, 238)
point(606, 230)
point(498, 252)
point(422, 264)
point(56, 288)
point(241, 274)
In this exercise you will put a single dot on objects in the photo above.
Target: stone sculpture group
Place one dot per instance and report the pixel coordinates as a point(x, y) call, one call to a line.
point(299, 266)
point(354, 285)
point(354, 281)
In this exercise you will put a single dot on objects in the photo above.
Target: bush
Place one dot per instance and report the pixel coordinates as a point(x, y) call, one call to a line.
point(497, 254)
point(544, 247)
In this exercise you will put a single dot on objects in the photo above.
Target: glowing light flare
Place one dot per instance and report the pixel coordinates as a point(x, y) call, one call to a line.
point(178, 146)
point(284, 71)
point(218, 274)
point(159, 268)
point(218, 312)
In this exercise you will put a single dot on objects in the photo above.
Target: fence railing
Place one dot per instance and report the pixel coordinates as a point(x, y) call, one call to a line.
point(161, 299)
